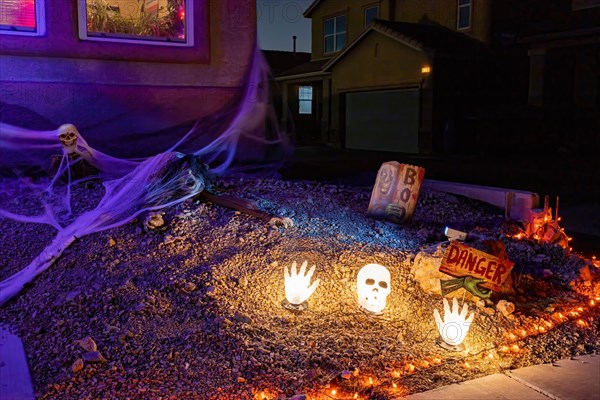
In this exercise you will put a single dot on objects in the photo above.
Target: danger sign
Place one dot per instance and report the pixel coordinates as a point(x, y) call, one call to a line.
point(461, 260)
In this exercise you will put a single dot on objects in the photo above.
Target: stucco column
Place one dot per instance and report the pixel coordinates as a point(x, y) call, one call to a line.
point(326, 110)
point(284, 107)
point(537, 60)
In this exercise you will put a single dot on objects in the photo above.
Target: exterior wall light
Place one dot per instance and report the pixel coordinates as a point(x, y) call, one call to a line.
point(298, 288)
point(425, 70)
point(374, 286)
point(453, 329)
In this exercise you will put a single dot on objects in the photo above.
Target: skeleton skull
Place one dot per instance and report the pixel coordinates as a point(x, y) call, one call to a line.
point(68, 134)
point(374, 285)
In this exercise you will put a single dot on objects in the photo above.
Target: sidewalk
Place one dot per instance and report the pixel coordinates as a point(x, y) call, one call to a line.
point(573, 379)
point(15, 380)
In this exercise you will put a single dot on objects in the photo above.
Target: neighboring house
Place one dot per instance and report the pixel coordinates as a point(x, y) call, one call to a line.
point(134, 70)
point(422, 76)
point(389, 75)
point(561, 39)
point(280, 61)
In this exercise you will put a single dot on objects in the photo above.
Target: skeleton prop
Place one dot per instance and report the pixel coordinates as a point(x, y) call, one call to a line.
point(374, 286)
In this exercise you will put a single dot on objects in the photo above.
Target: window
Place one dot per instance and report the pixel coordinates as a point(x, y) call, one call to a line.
point(335, 33)
point(22, 17)
point(464, 14)
point(305, 97)
point(162, 22)
point(370, 14)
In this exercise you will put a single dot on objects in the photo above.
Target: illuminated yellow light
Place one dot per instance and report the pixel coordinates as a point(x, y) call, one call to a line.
point(394, 385)
point(356, 395)
point(437, 360)
point(490, 356)
point(523, 332)
point(467, 365)
point(515, 347)
point(503, 349)
point(371, 381)
point(512, 336)
point(396, 374)
point(411, 368)
point(426, 364)
point(426, 69)
point(333, 392)
point(581, 322)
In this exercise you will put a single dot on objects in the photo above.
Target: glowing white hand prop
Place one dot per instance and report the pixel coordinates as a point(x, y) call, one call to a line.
point(453, 329)
point(297, 286)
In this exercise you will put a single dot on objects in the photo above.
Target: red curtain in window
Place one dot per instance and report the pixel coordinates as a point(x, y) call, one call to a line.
point(20, 13)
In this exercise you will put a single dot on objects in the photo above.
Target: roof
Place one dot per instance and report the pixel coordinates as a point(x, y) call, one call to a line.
point(311, 8)
point(280, 61)
point(423, 37)
point(306, 68)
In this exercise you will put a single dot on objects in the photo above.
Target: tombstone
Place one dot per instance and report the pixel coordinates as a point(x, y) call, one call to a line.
point(396, 191)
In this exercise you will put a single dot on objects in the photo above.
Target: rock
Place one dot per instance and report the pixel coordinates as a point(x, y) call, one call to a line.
point(241, 379)
point(480, 303)
point(154, 221)
point(189, 287)
point(298, 397)
point(77, 365)
point(87, 344)
point(243, 318)
point(111, 242)
point(547, 274)
point(505, 307)
point(346, 374)
point(425, 269)
point(72, 295)
point(93, 357)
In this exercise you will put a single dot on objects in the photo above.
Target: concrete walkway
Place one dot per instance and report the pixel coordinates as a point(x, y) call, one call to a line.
point(573, 379)
point(15, 380)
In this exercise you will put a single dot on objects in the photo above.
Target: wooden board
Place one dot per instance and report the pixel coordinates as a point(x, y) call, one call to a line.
point(461, 260)
point(396, 191)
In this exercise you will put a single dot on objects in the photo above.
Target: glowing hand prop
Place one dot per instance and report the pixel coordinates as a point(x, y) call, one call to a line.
point(297, 286)
point(453, 329)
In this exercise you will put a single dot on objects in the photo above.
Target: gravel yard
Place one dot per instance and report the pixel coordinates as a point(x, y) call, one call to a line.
point(194, 310)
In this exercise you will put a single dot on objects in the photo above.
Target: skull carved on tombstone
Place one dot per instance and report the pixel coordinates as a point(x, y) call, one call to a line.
point(68, 135)
point(374, 285)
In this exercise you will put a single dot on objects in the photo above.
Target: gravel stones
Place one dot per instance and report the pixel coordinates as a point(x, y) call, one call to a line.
point(194, 310)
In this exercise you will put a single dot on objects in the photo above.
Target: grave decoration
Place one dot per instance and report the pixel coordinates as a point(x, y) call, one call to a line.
point(374, 286)
point(298, 287)
point(396, 191)
point(476, 271)
point(454, 327)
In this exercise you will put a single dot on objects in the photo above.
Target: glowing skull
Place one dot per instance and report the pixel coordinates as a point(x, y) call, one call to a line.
point(68, 134)
point(374, 285)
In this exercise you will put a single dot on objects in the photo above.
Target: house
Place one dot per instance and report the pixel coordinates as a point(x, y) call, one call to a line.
point(560, 42)
point(390, 75)
point(134, 70)
point(437, 76)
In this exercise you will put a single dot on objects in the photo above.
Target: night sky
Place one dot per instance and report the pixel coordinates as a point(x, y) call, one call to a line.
point(279, 20)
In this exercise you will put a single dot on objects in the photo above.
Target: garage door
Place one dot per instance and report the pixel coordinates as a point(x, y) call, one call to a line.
point(383, 120)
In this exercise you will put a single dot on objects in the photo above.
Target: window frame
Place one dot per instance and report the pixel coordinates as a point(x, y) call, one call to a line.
point(40, 23)
point(335, 33)
point(469, 5)
point(305, 100)
point(365, 23)
point(130, 39)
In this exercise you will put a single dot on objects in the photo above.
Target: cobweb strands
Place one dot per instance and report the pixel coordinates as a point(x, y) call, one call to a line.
point(131, 186)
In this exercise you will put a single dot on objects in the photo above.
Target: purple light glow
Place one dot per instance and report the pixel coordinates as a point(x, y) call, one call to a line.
point(132, 187)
